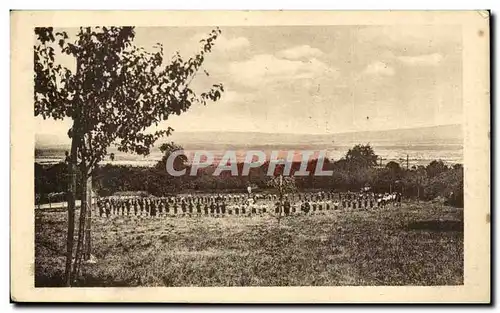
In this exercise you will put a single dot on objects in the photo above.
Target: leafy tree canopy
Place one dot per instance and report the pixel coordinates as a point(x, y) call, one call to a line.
point(361, 156)
point(117, 91)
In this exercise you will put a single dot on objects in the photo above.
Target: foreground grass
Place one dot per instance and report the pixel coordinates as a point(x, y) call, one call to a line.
point(413, 245)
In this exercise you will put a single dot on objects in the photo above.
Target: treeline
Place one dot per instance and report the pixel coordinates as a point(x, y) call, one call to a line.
point(357, 170)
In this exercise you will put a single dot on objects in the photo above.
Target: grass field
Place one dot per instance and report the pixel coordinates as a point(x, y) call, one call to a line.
point(416, 244)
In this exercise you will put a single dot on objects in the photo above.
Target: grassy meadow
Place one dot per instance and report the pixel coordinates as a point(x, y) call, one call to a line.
point(416, 244)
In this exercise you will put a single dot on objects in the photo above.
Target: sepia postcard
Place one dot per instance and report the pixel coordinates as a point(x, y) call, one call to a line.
point(250, 156)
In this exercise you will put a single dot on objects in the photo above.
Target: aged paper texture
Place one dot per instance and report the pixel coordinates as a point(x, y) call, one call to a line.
point(250, 156)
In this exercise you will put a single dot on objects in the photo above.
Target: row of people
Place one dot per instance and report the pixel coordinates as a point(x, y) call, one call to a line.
point(157, 208)
point(243, 198)
point(208, 210)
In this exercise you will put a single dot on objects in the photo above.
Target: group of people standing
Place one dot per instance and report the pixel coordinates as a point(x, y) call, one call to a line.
point(324, 201)
point(241, 204)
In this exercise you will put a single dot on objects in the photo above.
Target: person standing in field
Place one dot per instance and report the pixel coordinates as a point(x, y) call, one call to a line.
point(212, 208)
point(183, 207)
point(107, 208)
point(152, 209)
point(205, 208)
point(101, 207)
point(307, 207)
point(198, 208)
point(286, 207)
point(190, 206)
point(223, 208)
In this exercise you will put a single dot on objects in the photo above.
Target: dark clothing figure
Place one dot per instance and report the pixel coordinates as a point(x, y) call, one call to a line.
point(307, 207)
point(153, 209)
point(277, 208)
point(287, 208)
point(101, 208)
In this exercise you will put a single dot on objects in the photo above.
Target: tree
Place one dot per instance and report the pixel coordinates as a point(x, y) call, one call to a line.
point(361, 156)
point(435, 168)
point(394, 170)
point(180, 161)
point(117, 92)
point(393, 167)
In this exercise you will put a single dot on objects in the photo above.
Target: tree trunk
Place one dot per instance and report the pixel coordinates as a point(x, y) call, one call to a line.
point(71, 196)
point(81, 224)
point(71, 210)
point(88, 242)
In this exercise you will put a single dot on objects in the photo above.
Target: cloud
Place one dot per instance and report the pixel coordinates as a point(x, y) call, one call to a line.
point(230, 96)
point(379, 68)
point(422, 60)
point(225, 44)
point(298, 52)
point(266, 68)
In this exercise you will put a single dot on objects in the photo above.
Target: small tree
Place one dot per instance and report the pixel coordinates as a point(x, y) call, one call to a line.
point(394, 167)
point(435, 168)
point(116, 93)
point(167, 149)
point(361, 156)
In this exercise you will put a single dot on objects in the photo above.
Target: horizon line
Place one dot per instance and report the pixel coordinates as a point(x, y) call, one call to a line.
point(343, 132)
point(289, 133)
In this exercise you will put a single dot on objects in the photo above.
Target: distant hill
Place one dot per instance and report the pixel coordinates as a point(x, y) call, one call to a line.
point(452, 134)
point(415, 136)
point(45, 141)
point(446, 134)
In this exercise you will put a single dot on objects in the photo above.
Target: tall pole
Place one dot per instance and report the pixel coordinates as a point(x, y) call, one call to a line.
point(407, 162)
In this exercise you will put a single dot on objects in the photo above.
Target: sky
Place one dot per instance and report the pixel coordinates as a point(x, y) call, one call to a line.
point(315, 79)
